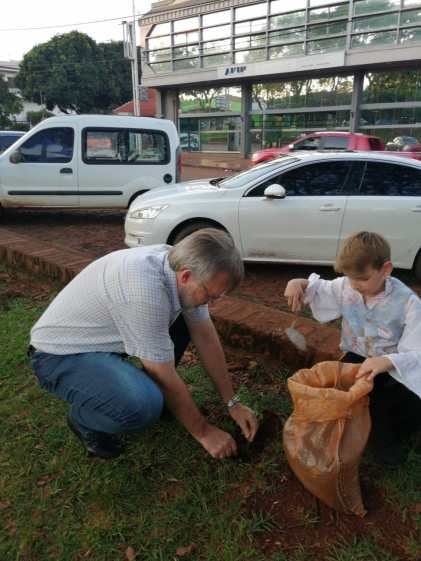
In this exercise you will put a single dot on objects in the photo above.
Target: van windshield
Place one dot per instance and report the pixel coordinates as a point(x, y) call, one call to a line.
point(254, 173)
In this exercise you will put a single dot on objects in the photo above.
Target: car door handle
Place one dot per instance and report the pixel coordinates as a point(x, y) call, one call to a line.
point(329, 208)
point(416, 208)
point(66, 170)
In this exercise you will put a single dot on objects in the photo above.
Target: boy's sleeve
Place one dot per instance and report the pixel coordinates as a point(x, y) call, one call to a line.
point(407, 361)
point(324, 297)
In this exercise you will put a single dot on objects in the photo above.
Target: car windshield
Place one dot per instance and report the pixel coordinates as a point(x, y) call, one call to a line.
point(245, 177)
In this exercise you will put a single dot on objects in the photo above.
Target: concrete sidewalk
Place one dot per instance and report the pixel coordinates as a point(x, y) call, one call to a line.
point(241, 323)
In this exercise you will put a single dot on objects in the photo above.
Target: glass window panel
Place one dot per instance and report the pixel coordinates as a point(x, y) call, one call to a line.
point(216, 18)
point(314, 3)
point(216, 60)
point(292, 35)
point(250, 56)
point(211, 100)
point(216, 46)
point(326, 29)
point(321, 179)
point(183, 38)
point(250, 26)
point(253, 11)
point(186, 51)
point(282, 6)
point(219, 32)
point(155, 56)
point(161, 29)
point(159, 67)
point(151, 147)
point(288, 20)
point(186, 24)
point(185, 64)
point(250, 41)
point(375, 22)
point(296, 49)
point(410, 3)
point(410, 35)
point(329, 12)
point(372, 39)
point(412, 16)
point(397, 116)
point(383, 179)
point(326, 46)
point(53, 145)
point(159, 43)
point(368, 6)
point(387, 87)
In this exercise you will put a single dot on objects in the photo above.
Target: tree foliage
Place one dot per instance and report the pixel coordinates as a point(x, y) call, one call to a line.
point(75, 73)
point(10, 104)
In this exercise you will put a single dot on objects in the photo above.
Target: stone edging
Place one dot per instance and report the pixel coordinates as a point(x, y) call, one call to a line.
point(240, 323)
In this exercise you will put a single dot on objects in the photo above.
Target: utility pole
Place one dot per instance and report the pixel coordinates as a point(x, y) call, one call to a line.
point(130, 52)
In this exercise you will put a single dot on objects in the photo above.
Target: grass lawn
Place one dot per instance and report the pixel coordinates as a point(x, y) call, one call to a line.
point(165, 499)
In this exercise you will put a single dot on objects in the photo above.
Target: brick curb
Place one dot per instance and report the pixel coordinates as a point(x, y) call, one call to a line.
point(240, 323)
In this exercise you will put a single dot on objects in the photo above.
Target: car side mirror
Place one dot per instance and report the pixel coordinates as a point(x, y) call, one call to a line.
point(275, 191)
point(16, 157)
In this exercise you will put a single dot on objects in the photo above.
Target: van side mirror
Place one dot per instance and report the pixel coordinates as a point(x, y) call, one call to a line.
point(275, 191)
point(16, 157)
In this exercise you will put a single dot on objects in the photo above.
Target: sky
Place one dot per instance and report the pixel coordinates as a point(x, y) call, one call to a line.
point(18, 14)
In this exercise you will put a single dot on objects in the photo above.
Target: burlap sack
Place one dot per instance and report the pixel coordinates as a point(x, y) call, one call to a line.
point(326, 434)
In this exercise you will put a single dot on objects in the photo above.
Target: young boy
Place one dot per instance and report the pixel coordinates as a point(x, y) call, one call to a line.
point(381, 328)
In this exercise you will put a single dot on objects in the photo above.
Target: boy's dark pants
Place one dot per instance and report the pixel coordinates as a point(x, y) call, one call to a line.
point(395, 410)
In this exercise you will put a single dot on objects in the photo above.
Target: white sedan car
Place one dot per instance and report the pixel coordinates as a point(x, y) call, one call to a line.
point(295, 209)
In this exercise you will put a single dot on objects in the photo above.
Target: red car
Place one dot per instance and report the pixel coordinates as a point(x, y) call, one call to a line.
point(336, 140)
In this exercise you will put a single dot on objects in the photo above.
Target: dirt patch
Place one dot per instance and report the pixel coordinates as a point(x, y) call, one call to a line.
point(15, 283)
point(296, 521)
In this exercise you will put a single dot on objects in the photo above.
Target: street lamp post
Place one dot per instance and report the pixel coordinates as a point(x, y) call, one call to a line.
point(130, 52)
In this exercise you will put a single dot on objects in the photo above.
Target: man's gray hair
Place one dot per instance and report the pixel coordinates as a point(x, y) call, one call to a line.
point(207, 252)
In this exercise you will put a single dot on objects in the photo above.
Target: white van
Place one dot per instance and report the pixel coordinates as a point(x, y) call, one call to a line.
point(97, 161)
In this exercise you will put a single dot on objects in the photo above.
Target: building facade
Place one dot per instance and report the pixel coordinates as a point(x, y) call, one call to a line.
point(240, 75)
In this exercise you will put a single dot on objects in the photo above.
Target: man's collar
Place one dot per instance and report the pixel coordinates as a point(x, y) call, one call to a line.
point(171, 280)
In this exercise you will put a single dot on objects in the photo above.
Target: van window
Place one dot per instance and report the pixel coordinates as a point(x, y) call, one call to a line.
point(125, 146)
point(53, 145)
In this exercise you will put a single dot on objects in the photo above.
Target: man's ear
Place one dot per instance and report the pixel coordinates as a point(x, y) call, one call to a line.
point(185, 276)
point(388, 268)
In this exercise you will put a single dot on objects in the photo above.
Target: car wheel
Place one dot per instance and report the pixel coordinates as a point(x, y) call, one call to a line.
point(192, 227)
point(417, 266)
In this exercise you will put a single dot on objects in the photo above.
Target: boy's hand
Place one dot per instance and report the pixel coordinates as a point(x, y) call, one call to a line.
point(373, 366)
point(294, 291)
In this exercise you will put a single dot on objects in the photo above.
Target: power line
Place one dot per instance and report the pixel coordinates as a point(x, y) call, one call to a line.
point(68, 24)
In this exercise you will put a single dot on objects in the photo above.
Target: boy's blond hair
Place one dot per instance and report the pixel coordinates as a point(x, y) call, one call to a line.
point(360, 251)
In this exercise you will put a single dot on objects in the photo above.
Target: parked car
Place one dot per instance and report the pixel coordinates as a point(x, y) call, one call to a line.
point(399, 142)
point(294, 209)
point(324, 140)
point(100, 161)
point(7, 138)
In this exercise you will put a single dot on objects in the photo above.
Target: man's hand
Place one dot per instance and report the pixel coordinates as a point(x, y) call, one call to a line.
point(245, 419)
point(373, 366)
point(294, 291)
point(218, 443)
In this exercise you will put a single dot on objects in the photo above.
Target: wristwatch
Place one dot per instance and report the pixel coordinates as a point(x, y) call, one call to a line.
point(233, 401)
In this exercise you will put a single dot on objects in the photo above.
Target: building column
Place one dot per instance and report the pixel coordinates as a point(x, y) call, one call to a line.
point(357, 94)
point(245, 119)
point(169, 105)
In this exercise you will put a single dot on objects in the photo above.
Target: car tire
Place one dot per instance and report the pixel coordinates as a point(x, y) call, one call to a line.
point(417, 266)
point(190, 228)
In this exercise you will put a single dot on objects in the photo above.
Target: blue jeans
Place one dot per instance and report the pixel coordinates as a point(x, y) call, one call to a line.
point(106, 392)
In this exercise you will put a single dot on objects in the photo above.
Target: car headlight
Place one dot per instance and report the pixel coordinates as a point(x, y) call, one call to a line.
point(147, 213)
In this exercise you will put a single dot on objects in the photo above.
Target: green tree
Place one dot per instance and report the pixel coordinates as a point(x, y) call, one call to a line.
point(10, 104)
point(74, 73)
point(35, 117)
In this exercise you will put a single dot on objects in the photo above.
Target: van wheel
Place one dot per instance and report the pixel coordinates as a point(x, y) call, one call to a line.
point(417, 266)
point(190, 228)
